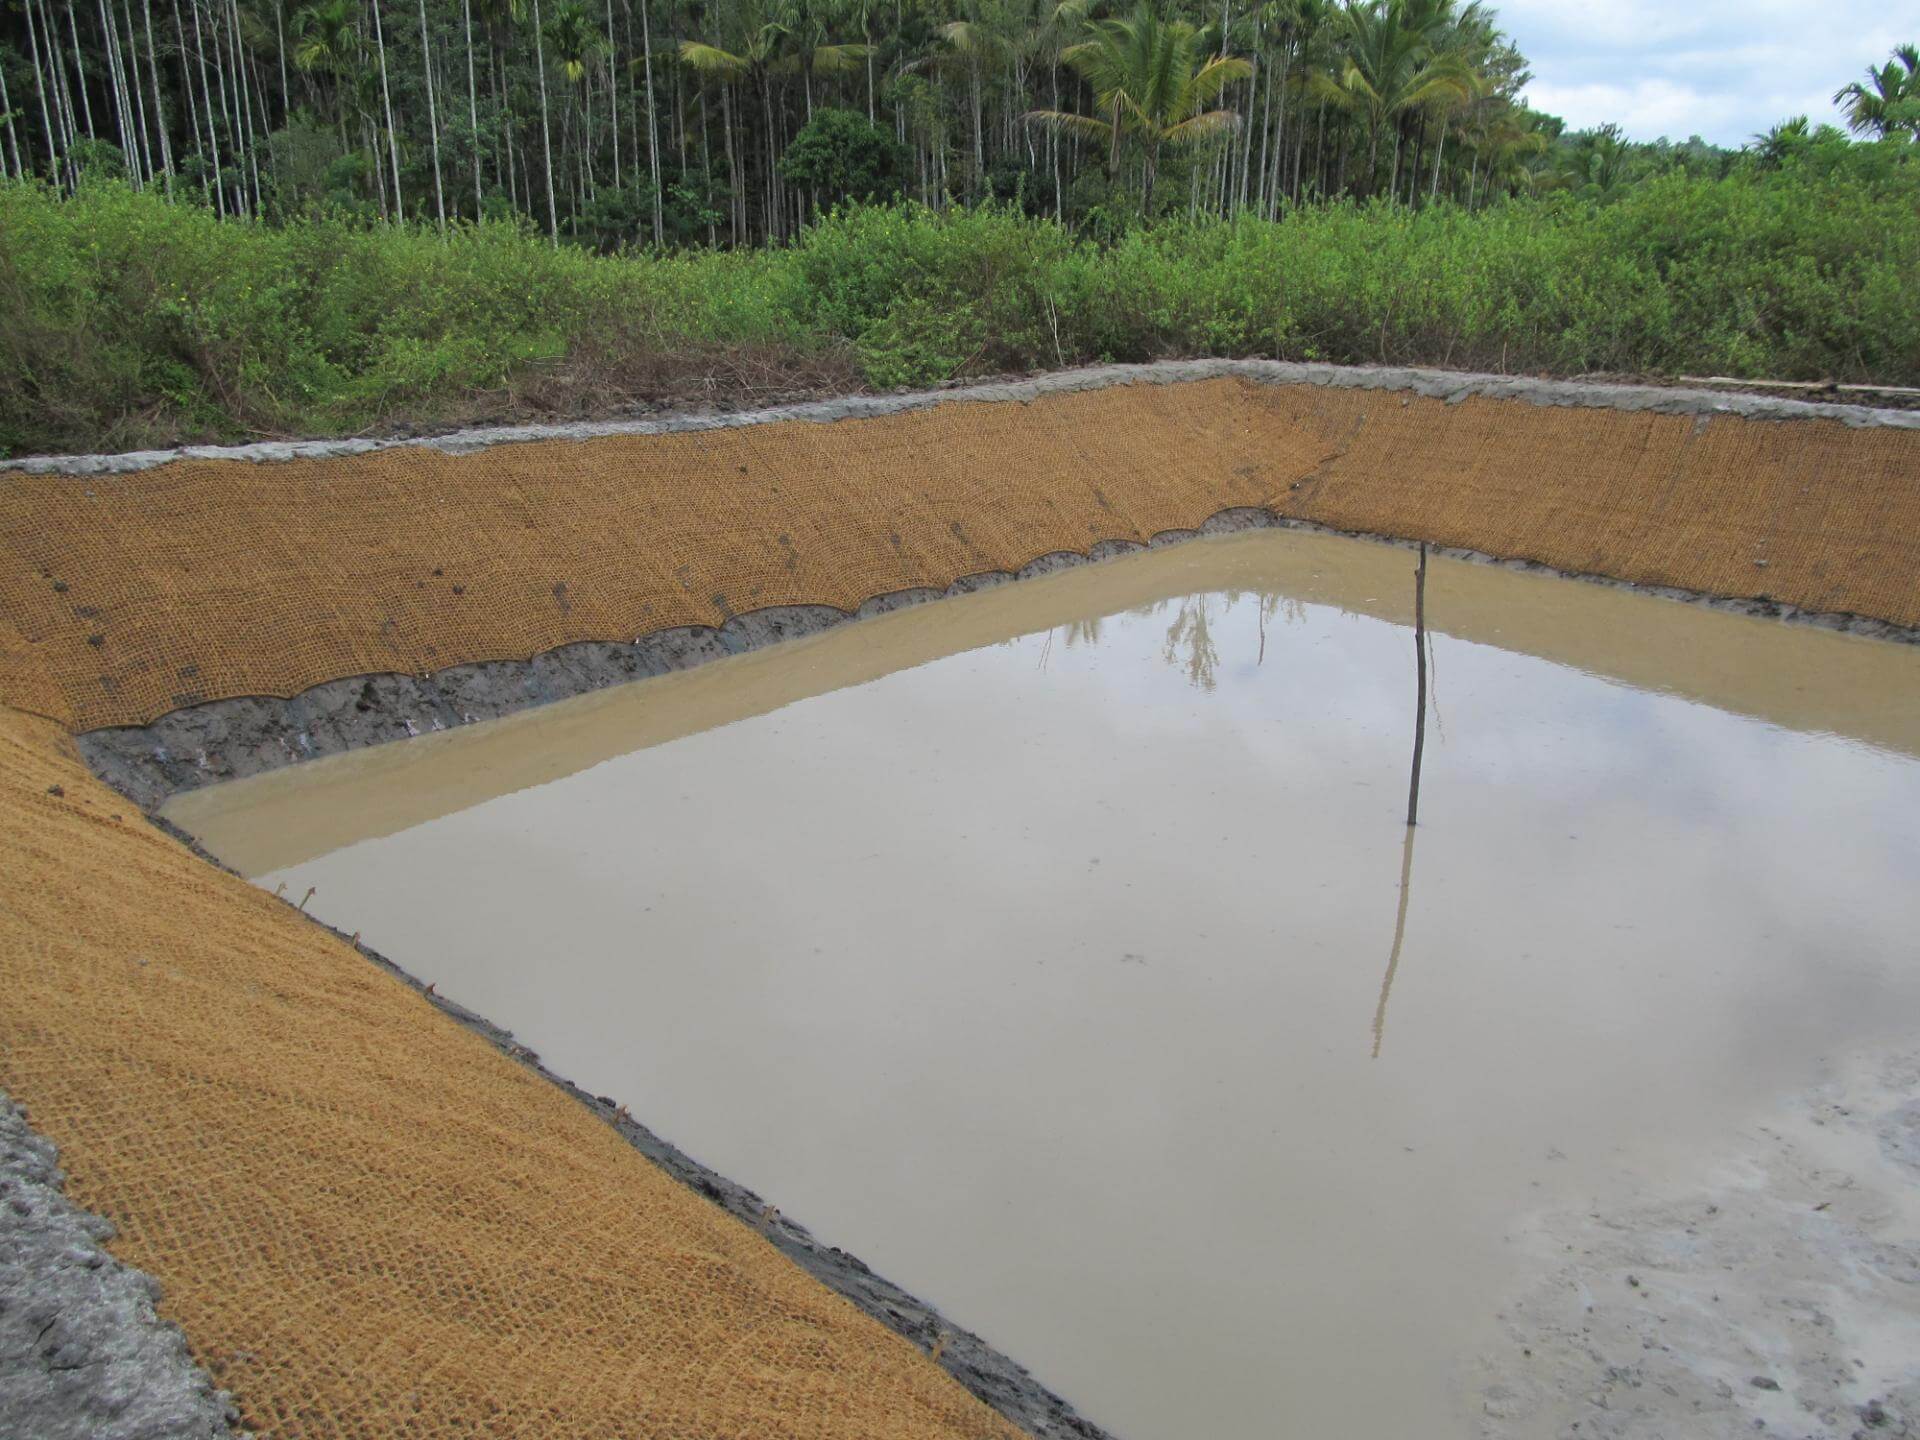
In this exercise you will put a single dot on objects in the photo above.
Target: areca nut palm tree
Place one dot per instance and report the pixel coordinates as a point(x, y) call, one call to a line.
point(1889, 101)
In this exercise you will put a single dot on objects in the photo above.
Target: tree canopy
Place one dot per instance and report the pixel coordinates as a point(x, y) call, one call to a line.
point(739, 122)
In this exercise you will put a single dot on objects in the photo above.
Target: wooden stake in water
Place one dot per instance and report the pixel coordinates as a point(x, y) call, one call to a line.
point(1413, 798)
point(1420, 654)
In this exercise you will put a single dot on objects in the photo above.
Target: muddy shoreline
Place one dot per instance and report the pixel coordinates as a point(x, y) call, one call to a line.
point(232, 739)
point(994, 1378)
point(1764, 1295)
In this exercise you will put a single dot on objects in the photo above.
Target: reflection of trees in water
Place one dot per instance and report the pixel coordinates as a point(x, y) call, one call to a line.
point(1290, 611)
point(1190, 643)
point(1082, 632)
point(1075, 634)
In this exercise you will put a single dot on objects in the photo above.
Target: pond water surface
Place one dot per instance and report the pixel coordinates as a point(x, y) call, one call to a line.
point(1061, 950)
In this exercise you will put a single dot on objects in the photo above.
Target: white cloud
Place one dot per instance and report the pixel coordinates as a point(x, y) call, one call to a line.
point(1722, 69)
point(1645, 109)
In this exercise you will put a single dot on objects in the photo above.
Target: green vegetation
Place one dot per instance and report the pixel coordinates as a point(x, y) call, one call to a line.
point(227, 218)
point(840, 156)
point(126, 320)
point(662, 123)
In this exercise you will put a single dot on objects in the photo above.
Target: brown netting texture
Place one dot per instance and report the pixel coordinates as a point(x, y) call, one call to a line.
point(205, 579)
point(370, 1223)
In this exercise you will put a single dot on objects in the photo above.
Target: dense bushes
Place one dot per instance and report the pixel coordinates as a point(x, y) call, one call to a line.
point(125, 320)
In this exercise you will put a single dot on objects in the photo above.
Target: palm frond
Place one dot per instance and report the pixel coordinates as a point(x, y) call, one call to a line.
point(712, 60)
point(1068, 123)
point(1203, 127)
point(1215, 76)
point(838, 59)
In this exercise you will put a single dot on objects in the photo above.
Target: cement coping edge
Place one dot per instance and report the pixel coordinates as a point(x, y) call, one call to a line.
point(1452, 386)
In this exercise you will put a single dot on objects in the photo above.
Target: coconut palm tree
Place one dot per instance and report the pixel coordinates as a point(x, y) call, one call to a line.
point(1889, 102)
point(1151, 79)
point(1597, 163)
point(1772, 147)
point(809, 26)
point(1504, 145)
point(1389, 67)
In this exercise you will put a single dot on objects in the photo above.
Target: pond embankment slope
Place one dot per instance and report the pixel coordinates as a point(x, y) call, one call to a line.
point(368, 1220)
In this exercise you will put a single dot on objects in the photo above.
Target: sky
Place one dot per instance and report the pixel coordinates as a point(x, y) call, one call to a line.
point(1720, 69)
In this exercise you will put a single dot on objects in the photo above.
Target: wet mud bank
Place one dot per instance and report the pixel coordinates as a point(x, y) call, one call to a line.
point(221, 740)
point(1772, 1297)
point(83, 1355)
point(201, 745)
point(992, 1377)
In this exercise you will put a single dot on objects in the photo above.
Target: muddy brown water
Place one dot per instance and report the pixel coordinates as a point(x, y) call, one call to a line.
point(1038, 946)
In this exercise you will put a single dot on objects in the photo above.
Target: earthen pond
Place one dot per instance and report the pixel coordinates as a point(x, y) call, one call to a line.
point(1046, 947)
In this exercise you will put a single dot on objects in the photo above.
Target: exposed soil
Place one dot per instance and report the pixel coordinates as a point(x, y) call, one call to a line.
point(83, 1355)
point(1778, 1295)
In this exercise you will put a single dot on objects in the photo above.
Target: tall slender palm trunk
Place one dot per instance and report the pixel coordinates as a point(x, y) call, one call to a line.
point(243, 103)
point(14, 169)
point(473, 109)
point(546, 128)
point(433, 120)
point(159, 102)
point(131, 66)
point(613, 94)
point(122, 121)
point(207, 190)
point(79, 71)
point(206, 94)
point(653, 131)
point(386, 102)
point(40, 92)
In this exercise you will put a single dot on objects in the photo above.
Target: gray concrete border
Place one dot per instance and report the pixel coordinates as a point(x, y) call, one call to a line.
point(1452, 386)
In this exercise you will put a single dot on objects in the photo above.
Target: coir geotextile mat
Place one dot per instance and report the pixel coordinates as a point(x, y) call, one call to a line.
point(136, 594)
point(371, 1223)
point(368, 1221)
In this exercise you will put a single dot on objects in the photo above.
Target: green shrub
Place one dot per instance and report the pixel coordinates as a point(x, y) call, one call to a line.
point(840, 156)
point(126, 320)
